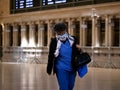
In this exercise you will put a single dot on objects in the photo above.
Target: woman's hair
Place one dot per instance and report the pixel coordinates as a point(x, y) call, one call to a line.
point(60, 27)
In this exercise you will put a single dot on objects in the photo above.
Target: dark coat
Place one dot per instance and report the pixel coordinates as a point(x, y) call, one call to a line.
point(52, 59)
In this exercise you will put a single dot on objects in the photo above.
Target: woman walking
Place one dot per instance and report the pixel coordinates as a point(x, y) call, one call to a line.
point(62, 51)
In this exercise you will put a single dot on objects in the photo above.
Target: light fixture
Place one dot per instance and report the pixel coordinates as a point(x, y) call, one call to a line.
point(42, 27)
point(111, 22)
point(84, 26)
point(94, 13)
point(52, 26)
point(73, 26)
point(98, 24)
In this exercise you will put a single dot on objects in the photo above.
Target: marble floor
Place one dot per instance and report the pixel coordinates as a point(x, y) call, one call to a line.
point(23, 76)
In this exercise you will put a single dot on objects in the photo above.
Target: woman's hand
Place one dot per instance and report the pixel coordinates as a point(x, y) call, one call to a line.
point(78, 46)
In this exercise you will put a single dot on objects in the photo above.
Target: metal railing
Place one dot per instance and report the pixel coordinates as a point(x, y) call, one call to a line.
point(24, 54)
point(109, 56)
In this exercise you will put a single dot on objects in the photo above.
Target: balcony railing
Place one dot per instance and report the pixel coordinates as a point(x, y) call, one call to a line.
point(107, 57)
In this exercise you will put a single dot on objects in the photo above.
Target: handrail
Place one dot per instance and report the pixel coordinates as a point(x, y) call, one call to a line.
point(33, 54)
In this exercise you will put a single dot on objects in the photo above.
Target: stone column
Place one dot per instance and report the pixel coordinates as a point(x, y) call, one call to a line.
point(81, 33)
point(84, 32)
point(71, 26)
point(111, 31)
point(107, 31)
point(15, 35)
point(50, 31)
point(97, 32)
point(24, 42)
point(6, 35)
point(93, 31)
point(41, 34)
point(32, 34)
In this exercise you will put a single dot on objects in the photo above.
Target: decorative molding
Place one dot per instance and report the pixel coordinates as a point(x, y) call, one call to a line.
point(72, 12)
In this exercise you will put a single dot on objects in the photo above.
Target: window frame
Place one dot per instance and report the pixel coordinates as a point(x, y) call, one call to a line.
point(21, 4)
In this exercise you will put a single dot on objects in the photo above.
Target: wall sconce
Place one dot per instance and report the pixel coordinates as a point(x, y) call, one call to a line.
point(73, 26)
point(98, 24)
point(94, 13)
point(111, 22)
point(84, 26)
point(42, 27)
point(52, 26)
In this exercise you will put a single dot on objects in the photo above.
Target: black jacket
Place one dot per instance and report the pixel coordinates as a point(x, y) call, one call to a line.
point(52, 59)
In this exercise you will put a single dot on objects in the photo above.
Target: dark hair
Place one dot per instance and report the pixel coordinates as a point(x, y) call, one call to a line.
point(60, 27)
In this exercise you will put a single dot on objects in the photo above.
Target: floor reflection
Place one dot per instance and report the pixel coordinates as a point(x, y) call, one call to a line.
point(33, 77)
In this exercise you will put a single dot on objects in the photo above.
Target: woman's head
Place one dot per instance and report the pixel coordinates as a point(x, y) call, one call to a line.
point(60, 28)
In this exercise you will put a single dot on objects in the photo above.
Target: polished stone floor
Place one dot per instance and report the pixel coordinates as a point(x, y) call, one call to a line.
point(23, 76)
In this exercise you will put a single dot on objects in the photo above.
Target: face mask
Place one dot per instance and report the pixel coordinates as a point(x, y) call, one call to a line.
point(62, 37)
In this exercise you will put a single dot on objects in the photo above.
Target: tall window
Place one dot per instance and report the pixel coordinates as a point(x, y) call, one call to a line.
point(48, 2)
point(24, 3)
point(0, 35)
point(116, 26)
point(102, 32)
point(1, 52)
point(29, 3)
point(89, 32)
point(77, 30)
point(20, 6)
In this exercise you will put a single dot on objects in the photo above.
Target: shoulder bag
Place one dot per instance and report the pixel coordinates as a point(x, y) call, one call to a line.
point(82, 59)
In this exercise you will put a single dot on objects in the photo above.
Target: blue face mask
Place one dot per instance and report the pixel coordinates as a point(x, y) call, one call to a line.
point(62, 37)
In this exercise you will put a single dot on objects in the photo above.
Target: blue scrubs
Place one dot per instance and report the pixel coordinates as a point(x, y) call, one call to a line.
point(64, 72)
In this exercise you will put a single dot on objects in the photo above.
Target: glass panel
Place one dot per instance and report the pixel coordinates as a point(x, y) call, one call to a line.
point(116, 32)
point(45, 35)
point(24, 3)
point(48, 2)
point(89, 33)
point(0, 35)
point(29, 3)
point(17, 4)
point(27, 33)
point(11, 36)
point(19, 35)
point(36, 34)
point(102, 32)
point(60, 1)
point(76, 31)
point(21, 4)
